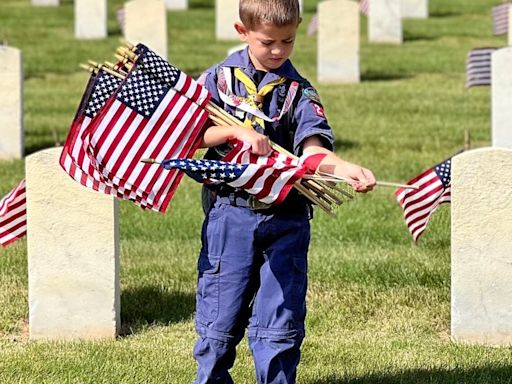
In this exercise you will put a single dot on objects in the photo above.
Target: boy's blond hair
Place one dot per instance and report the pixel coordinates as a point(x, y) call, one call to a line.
point(275, 12)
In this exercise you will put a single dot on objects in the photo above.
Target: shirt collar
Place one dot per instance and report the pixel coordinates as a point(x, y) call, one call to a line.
point(241, 59)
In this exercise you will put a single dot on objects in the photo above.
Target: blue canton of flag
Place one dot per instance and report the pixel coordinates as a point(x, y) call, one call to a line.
point(207, 171)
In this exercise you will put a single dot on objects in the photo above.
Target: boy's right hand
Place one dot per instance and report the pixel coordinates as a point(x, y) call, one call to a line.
point(260, 144)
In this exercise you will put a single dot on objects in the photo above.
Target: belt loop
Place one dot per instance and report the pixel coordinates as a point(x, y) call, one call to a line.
point(232, 199)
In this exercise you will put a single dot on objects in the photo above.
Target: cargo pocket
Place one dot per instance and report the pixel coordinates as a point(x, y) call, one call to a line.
point(300, 284)
point(207, 296)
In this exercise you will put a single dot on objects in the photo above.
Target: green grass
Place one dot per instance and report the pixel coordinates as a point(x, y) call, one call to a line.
point(379, 305)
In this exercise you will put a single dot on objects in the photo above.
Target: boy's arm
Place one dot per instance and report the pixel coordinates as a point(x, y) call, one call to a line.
point(220, 134)
point(364, 178)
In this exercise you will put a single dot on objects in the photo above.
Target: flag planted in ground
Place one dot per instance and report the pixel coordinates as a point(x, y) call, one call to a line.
point(478, 67)
point(500, 19)
point(419, 204)
point(268, 178)
point(13, 215)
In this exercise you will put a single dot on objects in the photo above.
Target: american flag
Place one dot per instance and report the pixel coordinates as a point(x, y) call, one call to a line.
point(500, 19)
point(13, 215)
point(75, 159)
point(364, 7)
point(419, 204)
point(158, 112)
point(268, 178)
point(478, 67)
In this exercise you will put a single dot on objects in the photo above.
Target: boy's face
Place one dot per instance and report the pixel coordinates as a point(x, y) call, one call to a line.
point(269, 45)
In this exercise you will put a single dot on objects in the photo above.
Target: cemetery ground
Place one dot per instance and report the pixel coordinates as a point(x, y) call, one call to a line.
point(379, 305)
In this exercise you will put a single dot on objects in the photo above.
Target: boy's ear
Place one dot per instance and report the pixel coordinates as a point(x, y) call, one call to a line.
point(300, 21)
point(241, 30)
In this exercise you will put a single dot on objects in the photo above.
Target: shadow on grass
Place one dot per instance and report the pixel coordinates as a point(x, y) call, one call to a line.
point(444, 14)
point(410, 37)
point(152, 305)
point(345, 144)
point(480, 375)
point(376, 76)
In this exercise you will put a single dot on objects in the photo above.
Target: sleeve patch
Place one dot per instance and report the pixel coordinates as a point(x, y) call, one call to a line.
point(311, 94)
point(318, 109)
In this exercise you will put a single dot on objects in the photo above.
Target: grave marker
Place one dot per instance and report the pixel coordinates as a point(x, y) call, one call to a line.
point(146, 22)
point(90, 19)
point(338, 42)
point(11, 103)
point(481, 268)
point(73, 255)
point(385, 22)
point(501, 91)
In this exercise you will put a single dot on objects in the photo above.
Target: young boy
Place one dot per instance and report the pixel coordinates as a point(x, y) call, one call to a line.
point(253, 263)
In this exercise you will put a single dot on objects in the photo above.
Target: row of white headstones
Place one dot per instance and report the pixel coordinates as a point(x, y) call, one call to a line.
point(73, 233)
point(338, 31)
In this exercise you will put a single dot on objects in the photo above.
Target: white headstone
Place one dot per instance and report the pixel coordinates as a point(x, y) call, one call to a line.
point(226, 14)
point(481, 260)
point(73, 255)
point(501, 90)
point(45, 2)
point(338, 41)
point(301, 6)
point(90, 19)
point(176, 5)
point(416, 9)
point(11, 103)
point(385, 22)
point(146, 22)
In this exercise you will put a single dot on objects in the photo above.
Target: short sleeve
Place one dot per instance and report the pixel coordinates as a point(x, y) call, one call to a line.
point(311, 120)
point(208, 79)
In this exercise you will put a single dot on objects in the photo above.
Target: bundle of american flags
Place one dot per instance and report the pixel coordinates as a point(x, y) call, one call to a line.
point(268, 178)
point(153, 110)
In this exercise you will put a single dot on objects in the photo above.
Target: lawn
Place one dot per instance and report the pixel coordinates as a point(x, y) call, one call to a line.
point(379, 304)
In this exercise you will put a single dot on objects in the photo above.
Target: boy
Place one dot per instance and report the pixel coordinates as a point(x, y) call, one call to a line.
point(253, 262)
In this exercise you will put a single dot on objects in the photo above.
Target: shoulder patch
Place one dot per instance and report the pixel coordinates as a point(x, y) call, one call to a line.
point(311, 94)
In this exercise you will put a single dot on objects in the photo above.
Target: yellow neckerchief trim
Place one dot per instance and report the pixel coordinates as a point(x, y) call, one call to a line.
point(255, 97)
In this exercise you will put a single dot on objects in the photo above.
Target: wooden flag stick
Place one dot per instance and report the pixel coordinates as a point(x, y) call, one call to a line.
point(381, 183)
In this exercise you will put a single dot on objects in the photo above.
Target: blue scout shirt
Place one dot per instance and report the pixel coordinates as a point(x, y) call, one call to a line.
point(305, 118)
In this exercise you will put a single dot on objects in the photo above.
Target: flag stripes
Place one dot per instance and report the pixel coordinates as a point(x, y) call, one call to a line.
point(157, 112)
point(434, 189)
point(13, 215)
point(500, 19)
point(478, 67)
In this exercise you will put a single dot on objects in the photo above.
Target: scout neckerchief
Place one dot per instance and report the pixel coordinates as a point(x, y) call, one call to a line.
point(253, 103)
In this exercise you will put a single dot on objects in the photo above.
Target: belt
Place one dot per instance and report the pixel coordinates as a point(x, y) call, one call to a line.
point(243, 199)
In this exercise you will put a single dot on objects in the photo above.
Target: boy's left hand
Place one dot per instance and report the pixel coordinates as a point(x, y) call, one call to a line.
point(364, 180)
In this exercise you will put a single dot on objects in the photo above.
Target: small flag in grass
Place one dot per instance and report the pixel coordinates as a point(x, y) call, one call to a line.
point(419, 204)
point(13, 215)
point(478, 67)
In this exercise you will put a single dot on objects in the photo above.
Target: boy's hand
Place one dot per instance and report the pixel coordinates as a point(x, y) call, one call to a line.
point(260, 144)
point(364, 178)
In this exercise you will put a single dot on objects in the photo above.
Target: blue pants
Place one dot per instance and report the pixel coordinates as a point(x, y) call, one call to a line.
point(252, 273)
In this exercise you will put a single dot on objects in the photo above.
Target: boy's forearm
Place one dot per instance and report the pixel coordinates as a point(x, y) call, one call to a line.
point(334, 165)
point(216, 135)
